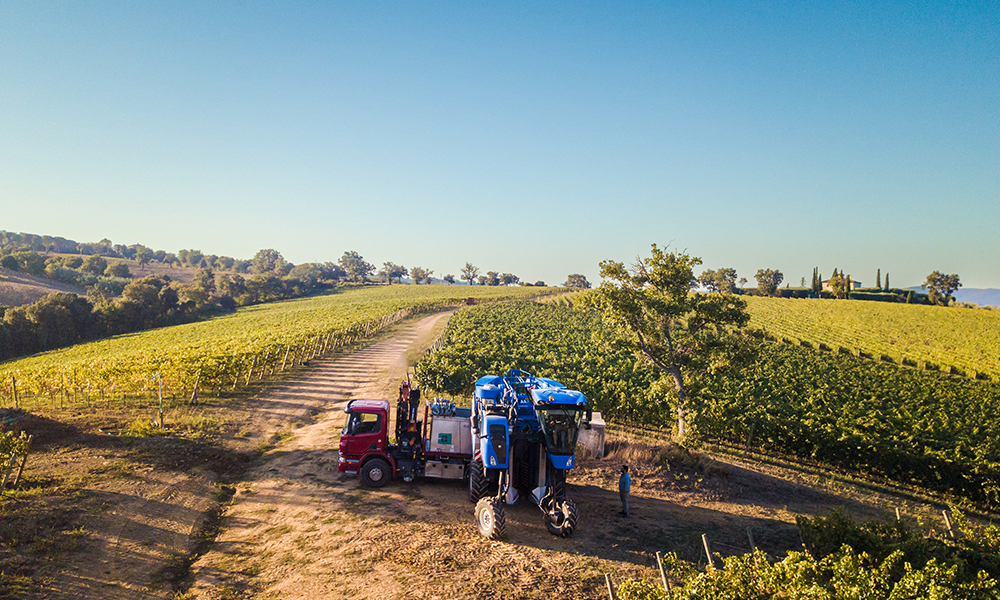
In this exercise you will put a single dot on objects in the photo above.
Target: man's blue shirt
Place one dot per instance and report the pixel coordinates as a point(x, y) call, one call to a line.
point(625, 483)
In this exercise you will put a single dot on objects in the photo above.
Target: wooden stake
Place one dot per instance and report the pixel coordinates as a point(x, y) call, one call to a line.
point(284, 359)
point(708, 552)
point(753, 546)
point(24, 459)
point(194, 392)
point(159, 387)
point(947, 523)
point(663, 574)
point(17, 401)
point(750, 438)
point(897, 514)
point(611, 589)
point(253, 362)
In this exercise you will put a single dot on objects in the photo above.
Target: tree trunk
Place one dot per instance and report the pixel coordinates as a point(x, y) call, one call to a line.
point(675, 370)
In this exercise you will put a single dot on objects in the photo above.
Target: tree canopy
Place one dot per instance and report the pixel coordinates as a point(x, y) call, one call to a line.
point(470, 272)
point(940, 287)
point(577, 280)
point(677, 331)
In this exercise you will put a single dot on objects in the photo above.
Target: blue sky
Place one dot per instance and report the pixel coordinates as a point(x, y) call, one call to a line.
point(537, 140)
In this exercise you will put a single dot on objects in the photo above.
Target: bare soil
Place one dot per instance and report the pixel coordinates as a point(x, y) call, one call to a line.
point(255, 507)
point(18, 288)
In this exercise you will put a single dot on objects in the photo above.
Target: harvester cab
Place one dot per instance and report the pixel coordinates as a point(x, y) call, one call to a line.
point(525, 430)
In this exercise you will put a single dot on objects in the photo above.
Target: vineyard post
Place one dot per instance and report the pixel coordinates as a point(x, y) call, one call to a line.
point(708, 551)
point(284, 359)
point(750, 437)
point(947, 523)
point(253, 362)
point(24, 459)
point(611, 589)
point(663, 574)
point(17, 401)
point(194, 392)
point(7, 470)
point(159, 387)
point(897, 514)
point(753, 546)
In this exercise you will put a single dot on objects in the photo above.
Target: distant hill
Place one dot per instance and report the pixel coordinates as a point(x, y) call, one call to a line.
point(982, 297)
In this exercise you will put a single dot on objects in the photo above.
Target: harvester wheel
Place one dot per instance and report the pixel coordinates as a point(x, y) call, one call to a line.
point(561, 521)
point(375, 473)
point(490, 519)
point(479, 483)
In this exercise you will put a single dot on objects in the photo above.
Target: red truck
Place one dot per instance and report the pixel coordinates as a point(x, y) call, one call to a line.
point(438, 446)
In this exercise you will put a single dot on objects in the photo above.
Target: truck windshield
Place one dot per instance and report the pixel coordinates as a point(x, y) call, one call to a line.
point(560, 427)
point(361, 423)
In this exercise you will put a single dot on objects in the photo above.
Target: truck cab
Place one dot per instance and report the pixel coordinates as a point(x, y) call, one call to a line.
point(364, 442)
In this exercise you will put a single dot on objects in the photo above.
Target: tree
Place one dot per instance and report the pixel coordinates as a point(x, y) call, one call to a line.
point(355, 266)
point(267, 261)
point(725, 280)
point(940, 287)
point(840, 286)
point(817, 282)
point(878, 280)
point(887, 281)
point(652, 305)
point(95, 265)
point(707, 280)
point(470, 272)
point(420, 275)
point(492, 278)
point(143, 256)
point(118, 269)
point(509, 279)
point(539, 283)
point(391, 270)
point(577, 280)
point(449, 278)
point(743, 282)
point(768, 281)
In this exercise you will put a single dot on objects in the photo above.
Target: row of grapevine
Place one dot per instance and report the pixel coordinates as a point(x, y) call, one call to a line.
point(962, 341)
point(222, 355)
point(912, 426)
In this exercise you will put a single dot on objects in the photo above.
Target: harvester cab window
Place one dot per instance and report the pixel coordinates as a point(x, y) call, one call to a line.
point(561, 427)
point(361, 423)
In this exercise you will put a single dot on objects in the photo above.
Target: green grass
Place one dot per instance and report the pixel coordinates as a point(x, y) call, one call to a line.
point(227, 348)
point(967, 339)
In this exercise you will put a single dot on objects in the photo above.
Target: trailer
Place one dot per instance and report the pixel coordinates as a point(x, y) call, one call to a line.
point(439, 445)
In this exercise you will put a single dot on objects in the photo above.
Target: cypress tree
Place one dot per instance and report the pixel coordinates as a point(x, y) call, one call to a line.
point(887, 281)
point(878, 280)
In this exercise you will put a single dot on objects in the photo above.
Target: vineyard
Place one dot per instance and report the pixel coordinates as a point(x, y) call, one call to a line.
point(912, 426)
point(224, 354)
point(929, 336)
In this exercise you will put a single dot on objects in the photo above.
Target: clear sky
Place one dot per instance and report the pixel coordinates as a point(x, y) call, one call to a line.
point(533, 138)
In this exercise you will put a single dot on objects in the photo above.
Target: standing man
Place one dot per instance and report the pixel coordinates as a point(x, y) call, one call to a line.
point(624, 487)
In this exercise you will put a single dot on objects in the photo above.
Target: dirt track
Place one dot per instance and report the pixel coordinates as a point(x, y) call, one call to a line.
point(296, 528)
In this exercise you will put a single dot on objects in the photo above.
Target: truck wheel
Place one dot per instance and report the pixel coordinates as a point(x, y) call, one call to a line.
point(490, 518)
point(562, 520)
point(479, 483)
point(376, 473)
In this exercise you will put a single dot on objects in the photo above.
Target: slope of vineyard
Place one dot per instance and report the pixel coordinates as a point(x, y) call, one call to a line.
point(962, 338)
point(912, 426)
point(224, 351)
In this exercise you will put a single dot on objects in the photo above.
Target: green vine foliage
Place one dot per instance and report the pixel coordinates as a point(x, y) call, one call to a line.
point(12, 444)
point(929, 429)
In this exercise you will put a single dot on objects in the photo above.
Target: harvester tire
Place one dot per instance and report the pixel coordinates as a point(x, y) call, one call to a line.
point(490, 519)
point(375, 473)
point(562, 520)
point(479, 482)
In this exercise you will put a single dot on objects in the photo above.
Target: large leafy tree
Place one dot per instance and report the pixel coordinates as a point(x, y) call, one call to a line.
point(576, 280)
point(470, 272)
point(940, 287)
point(768, 281)
point(679, 332)
point(355, 266)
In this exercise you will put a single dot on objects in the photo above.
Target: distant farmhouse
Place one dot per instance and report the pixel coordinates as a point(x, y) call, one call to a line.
point(854, 285)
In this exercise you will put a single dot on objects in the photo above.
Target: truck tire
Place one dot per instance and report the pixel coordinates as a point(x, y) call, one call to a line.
point(562, 520)
point(375, 473)
point(479, 483)
point(490, 519)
